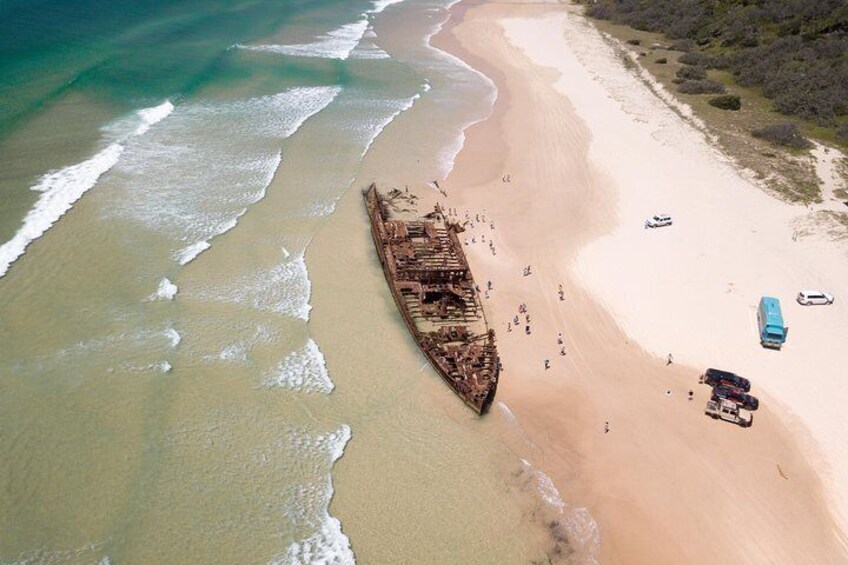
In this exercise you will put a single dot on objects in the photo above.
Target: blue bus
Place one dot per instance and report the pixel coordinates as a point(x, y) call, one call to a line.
point(770, 322)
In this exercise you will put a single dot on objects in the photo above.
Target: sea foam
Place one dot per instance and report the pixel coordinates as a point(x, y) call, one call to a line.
point(284, 289)
point(152, 116)
point(189, 253)
point(340, 43)
point(61, 189)
point(584, 536)
point(174, 336)
point(308, 504)
point(302, 370)
point(165, 291)
point(380, 5)
point(336, 44)
point(195, 178)
point(459, 72)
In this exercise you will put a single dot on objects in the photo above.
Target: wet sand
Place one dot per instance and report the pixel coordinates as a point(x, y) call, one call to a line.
point(666, 484)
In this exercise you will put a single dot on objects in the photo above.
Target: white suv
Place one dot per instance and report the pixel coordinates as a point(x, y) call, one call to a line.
point(658, 221)
point(808, 297)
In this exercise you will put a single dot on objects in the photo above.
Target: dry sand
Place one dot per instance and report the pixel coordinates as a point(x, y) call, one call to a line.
point(591, 154)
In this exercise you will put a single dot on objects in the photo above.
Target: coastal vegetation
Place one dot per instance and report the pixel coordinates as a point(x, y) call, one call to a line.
point(787, 134)
point(796, 51)
point(726, 102)
point(781, 66)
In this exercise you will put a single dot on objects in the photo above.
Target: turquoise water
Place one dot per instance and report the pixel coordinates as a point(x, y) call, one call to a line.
point(171, 388)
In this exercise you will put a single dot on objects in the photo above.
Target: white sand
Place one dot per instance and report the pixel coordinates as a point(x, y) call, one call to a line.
point(692, 289)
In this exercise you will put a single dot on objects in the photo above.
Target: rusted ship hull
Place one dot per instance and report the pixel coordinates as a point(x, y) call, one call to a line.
point(430, 281)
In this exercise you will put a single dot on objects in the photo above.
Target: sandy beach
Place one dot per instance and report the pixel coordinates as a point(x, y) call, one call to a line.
point(577, 153)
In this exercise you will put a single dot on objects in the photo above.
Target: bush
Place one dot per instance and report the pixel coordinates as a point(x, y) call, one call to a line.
point(692, 73)
point(662, 61)
point(682, 45)
point(795, 50)
point(842, 132)
point(634, 42)
point(788, 135)
point(701, 87)
point(600, 12)
point(694, 59)
point(726, 102)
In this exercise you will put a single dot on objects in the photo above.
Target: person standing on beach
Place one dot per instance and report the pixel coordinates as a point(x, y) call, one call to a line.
point(670, 360)
point(547, 364)
point(606, 427)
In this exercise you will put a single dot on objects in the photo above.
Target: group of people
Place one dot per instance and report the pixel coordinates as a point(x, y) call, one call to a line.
point(479, 218)
point(516, 320)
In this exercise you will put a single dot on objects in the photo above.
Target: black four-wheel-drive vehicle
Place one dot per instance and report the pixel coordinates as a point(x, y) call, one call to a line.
point(715, 377)
point(737, 395)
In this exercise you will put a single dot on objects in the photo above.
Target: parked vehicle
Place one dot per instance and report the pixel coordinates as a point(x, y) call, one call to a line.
point(770, 323)
point(729, 411)
point(736, 395)
point(715, 377)
point(658, 221)
point(809, 297)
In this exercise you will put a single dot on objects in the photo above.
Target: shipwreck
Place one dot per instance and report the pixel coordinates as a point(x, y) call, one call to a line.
point(434, 290)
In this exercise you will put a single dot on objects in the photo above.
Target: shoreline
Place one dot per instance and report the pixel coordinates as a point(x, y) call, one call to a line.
point(563, 411)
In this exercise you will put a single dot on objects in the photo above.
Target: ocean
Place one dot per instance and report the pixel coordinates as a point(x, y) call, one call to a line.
point(199, 360)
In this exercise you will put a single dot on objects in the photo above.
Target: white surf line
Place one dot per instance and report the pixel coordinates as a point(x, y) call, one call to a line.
point(447, 155)
point(336, 44)
point(380, 5)
point(318, 100)
point(328, 543)
point(61, 189)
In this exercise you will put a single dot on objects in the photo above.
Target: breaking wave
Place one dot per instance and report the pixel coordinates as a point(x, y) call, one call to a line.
point(284, 289)
point(187, 254)
point(302, 370)
point(308, 504)
point(196, 177)
point(174, 336)
point(336, 44)
point(61, 189)
point(165, 291)
point(380, 5)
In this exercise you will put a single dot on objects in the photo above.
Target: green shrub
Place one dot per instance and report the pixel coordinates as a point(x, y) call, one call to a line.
point(726, 102)
point(842, 132)
point(701, 87)
point(634, 42)
point(795, 50)
point(662, 61)
point(787, 135)
point(692, 73)
point(695, 59)
point(683, 45)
